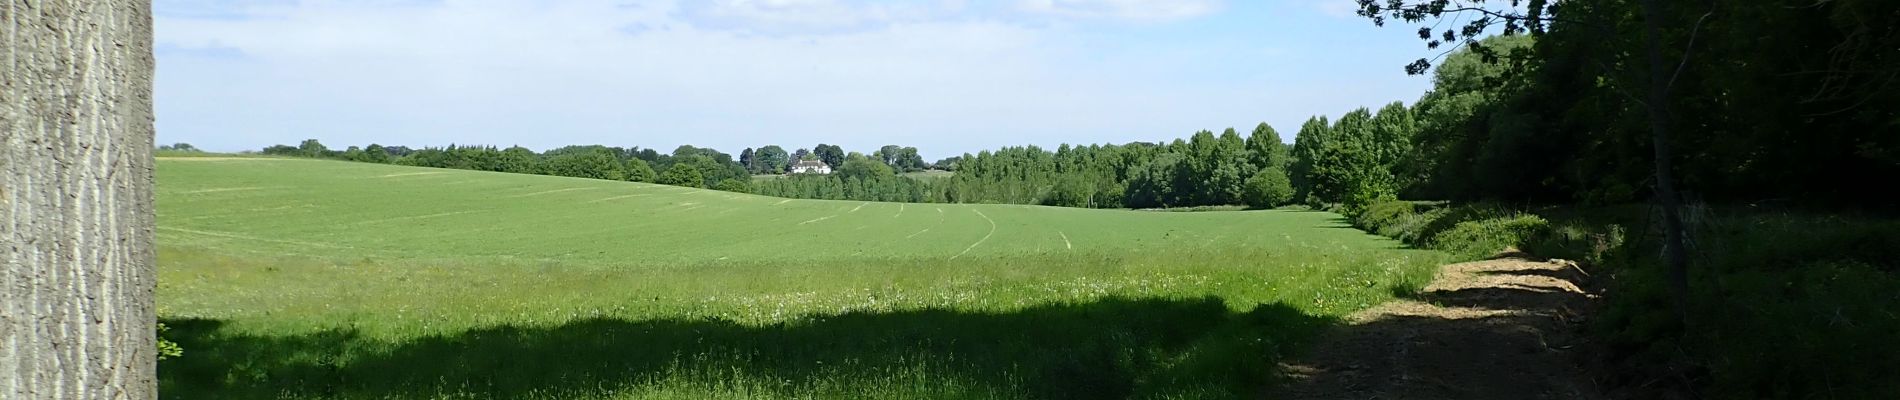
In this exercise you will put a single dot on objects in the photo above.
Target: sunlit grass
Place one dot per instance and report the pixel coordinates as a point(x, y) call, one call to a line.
point(312, 279)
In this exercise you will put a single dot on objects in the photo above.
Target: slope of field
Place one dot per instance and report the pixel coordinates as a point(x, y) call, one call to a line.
point(291, 206)
point(320, 279)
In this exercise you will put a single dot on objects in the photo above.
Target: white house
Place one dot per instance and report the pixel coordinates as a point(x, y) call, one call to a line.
point(810, 167)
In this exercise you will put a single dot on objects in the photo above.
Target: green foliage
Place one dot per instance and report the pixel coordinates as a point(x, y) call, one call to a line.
point(1315, 135)
point(1481, 238)
point(1269, 188)
point(732, 185)
point(1264, 148)
point(167, 349)
point(682, 174)
point(180, 147)
point(861, 167)
point(593, 164)
point(831, 155)
point(771, 159)
point(639, 171)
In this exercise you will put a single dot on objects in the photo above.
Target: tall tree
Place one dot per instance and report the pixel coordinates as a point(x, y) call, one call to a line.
point(313, 148)
point(771, 159)
point(830, 154)
point(750, 160)
point(1314, 135)
point(888, 154)
point(76, 311)
point(1264, 148)
point(1657, 69)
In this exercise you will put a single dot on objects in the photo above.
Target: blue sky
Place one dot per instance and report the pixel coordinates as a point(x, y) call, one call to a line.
point(946, 76)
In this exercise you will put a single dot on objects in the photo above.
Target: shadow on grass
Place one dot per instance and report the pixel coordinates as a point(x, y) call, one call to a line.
point(1111, 348)
point(1499, 340)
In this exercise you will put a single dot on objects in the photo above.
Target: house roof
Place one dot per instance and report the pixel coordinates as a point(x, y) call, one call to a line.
point(811, 163)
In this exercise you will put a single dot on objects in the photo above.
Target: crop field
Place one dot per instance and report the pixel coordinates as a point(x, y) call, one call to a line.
point(292, 278)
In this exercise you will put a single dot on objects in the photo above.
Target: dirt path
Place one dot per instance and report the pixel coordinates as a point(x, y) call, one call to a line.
point(1504, 328)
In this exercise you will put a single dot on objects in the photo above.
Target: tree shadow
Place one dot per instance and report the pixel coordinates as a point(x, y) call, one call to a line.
point(1111, 348)
point(1498, 340)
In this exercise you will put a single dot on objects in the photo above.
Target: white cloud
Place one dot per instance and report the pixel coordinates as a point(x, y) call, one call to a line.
point(942, 75)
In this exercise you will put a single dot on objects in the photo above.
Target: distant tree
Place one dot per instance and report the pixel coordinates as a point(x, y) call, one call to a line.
point(1313, 137)
point(1230, 169)
point(682, 174)
point(749, 160)
point(376, 153)
point(888, 154)
point(858, 166)
point(639, 171)
point(829, 154)
point(948, 163)
point(732, 185)
point(313, 148)
point(590, 164)
point(909, 161)
point(1264, 148)
point(282, 150)
point(803, 154)
point(520, 160)
point(771, 159)
point(180, 146)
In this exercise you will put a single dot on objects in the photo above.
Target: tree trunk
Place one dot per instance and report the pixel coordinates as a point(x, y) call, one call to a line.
point(76, 218)
point(1674, 253)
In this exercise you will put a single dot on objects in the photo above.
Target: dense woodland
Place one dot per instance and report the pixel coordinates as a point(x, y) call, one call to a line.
point(1792, 106)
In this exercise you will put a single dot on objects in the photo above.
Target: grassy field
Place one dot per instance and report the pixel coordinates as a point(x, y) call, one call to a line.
point(289, 278)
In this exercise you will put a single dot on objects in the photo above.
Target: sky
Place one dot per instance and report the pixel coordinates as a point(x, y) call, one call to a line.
point(946, 76)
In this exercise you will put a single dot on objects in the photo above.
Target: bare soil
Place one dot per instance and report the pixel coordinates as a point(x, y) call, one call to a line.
point(1505, 328)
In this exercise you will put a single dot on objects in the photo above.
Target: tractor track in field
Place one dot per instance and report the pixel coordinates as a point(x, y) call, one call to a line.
point(979, 242)
point(228, 235)
point(413, 174)
point(619, 197)
point(414, 217)
point(1504, 328)
point(549, 192)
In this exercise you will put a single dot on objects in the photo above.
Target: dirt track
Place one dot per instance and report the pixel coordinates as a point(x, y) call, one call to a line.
point(1504, 328)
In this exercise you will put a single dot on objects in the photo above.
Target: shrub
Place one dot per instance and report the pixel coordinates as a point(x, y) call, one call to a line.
point(681, 174)
point(1382, 214)
point(1268, 188)
point(732, 185)
point(1481, 238)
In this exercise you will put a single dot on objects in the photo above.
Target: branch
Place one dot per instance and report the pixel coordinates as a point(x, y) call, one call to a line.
point(1686, 49)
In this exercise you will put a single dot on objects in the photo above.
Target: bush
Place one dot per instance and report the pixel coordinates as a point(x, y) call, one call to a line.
point(681, 174)
point(1383, 214)
point(1268, 188)
point(732, 185)
point(1482, 238)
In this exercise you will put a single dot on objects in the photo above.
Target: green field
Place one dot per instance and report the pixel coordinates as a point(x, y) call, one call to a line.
point(299, 278)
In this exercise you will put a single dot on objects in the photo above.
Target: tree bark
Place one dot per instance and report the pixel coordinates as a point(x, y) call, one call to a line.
point(1674, 254)
point(76, 217)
